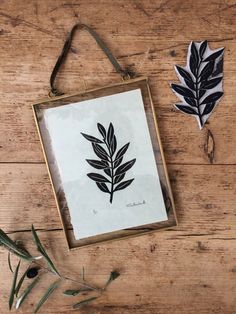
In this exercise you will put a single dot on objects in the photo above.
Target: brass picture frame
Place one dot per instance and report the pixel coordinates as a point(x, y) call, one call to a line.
point(140, 83)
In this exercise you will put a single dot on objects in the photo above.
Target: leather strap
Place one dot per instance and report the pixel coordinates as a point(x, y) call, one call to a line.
point(67, 45)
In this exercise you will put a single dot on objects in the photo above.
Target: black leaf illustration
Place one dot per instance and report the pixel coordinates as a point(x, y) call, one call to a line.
point(100, 151)
point(183, 91)
point(214, 55)
point(125, 167)
point(98, 164)
point(212, 98)
point(209, 107)
point(201, 81)
point(119, 177)
point(103, 187)
point(97, 177)
point(122, 151)
point(210, 83)
point(102, 130)
point(123, 185)
point(110, 161)
point(91, 138)
point(118, 162)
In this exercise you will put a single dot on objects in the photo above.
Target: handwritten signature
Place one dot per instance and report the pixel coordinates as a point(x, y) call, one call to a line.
point(136, 204)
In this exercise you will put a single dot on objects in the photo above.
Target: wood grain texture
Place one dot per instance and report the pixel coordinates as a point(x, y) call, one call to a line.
point(187, 270)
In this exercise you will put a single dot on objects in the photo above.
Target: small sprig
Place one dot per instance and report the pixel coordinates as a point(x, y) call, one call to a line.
point(110, 162)
point(201, 81)
point(33, 272)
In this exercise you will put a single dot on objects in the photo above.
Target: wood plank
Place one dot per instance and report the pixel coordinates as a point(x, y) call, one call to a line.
point(160, 273)
point(149, 42)
point(205, 197)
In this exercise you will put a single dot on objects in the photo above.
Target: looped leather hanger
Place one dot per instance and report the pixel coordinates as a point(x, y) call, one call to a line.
point(125, 73)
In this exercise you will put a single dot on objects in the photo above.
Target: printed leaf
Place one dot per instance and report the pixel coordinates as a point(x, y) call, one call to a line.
point(208, 108)
point(91, 138)
point(119, 178)
point(42, 251)
point(47, 294)
point(207, 70)
point(13, 287)
point(211, 83)
point(202, 48)
point(108, 171)
point(103, 187)
point(113, 276)
point(185, 109)
point(118, 162)
point(125, 167)
point(26, 292)
point(184, 73)
point(183, 91)
point(83, 302)
point(110, 133)
point(122, 151)
point(97, 177)
point(113, 145)
point(212, 98)
point(97, 163)
point(214, 55)
point(123, 185)
point(101, 130)
point(100, 151)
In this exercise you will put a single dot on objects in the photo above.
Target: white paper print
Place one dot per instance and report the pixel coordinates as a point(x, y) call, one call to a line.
point(87, 138)
point(201, 81)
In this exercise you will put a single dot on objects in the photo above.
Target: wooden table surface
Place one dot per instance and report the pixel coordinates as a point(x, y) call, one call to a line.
point(186, 270)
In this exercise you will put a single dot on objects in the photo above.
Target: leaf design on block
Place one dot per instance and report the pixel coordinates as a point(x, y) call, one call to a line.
point(185, 109)
point(201, 81)
point(110, 161)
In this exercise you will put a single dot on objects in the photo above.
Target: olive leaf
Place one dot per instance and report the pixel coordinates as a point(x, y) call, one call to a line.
point(201, 81)
point(9, 262)
point(42, 251)
point(111, 161)
point(47, 294)
point(74, 292)
point(113, 275)
point(83, 302)
point(26, 292)
point(14, 248)
point(13, 287)
point(20, 282)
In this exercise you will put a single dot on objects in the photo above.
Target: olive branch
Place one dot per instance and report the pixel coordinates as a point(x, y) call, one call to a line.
point(34, 270)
